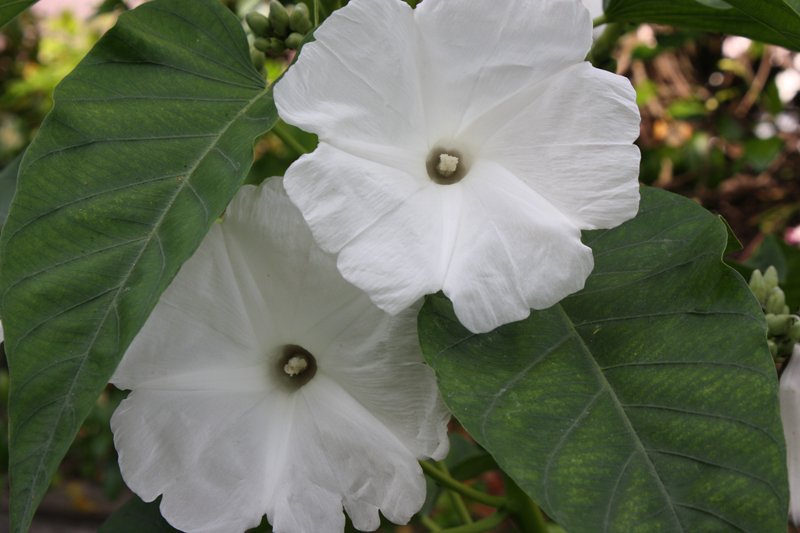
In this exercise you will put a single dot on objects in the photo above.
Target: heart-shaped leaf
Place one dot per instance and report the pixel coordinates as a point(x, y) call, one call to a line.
point(148, 140)
point(645, 402)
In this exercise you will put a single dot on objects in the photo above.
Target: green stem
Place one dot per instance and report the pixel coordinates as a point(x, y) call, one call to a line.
point(599, 21)
point(604, 46)
point(285, 135)
point(489, 523)
point(468, 492)
point(429, 522)
point(455, 498)
point(526, 513)
point(316, 13)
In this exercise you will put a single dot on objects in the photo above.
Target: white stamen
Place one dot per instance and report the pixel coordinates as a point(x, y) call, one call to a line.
point(447, 164)
point(295, 365)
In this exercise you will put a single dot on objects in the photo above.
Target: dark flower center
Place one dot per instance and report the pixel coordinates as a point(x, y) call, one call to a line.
point(297, 365)
point(446, 166)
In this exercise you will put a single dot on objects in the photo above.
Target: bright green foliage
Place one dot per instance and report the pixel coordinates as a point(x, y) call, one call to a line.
point(644, 403)
point(149, 139)
point(11, 8)
point(772, 21)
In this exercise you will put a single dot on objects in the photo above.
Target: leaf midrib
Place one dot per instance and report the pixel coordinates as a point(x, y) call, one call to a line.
point(606, 386)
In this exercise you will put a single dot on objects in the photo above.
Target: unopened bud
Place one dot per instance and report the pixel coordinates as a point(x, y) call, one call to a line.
point(794, 330)
point(276, 46)
point(279, 18)
point(778, 324)
point(773, 348)
point(776, 302)
point(258, 23)
point(294, 40)
point(261, 44)
point(299, 20)
point(771, 278)
point(258, 60)
point(758, 286)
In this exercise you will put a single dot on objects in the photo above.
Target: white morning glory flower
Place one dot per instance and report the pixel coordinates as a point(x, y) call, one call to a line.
point(790, 416)
point(464, 145)
point(264, 383)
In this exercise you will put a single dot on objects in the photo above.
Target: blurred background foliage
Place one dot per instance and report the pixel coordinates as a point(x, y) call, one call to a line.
point(720, 118)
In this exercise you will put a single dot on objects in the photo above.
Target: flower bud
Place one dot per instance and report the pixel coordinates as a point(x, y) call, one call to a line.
point(258, 23)
point(257, 59)
point(279, 18)
point(758, 286)
point(773, 349)
point(299, 20)
point(262, 44)
point(794, 330)
point(276, 46)
point(294, 40)
point(771, 278)
point(778, 324)
point(776, 301)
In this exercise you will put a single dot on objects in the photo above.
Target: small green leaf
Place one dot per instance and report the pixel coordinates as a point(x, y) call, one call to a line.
point(11, 8)
point(646, 402)
point(771, 21)
point(148, 140)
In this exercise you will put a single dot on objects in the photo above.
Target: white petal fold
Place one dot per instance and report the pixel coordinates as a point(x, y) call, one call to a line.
point(475, 54)
point(514, 251)
point(213, 424)
point(363, 59)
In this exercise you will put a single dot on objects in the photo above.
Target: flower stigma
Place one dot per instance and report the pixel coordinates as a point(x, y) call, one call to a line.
point(446, 166)
point(297, 365)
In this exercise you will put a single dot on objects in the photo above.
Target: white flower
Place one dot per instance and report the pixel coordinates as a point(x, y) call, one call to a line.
point(790, 415)
point(265, 383)
point(543, 142)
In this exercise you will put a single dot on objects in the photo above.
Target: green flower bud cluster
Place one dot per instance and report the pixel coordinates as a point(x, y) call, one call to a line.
point(283, 29)
point(784, 327)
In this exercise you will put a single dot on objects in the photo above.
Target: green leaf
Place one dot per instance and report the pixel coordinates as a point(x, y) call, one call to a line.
point(646, 402)
point(8, 186)
point(11, 8)
point(136, 516)
point(149, 139)
point(771, 21)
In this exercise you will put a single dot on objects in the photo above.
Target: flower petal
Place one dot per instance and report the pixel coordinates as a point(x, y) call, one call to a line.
point(196, 448)
point(390, 379)
point(515, 251)
point(385, 222)
point(342, 454)
point(790, 416)
point(201, 322)
point(478, 53)
point(571, 141)
point(362, 60)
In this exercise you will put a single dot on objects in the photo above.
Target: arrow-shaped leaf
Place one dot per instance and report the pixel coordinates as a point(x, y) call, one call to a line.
point(148, 140)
